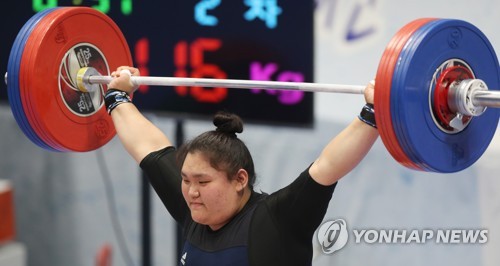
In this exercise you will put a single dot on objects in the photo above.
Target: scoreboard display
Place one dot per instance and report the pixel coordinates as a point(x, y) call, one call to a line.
point(231, 39)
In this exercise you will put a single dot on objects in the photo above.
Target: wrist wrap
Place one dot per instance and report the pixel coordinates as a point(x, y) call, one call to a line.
point(115, 97)
point(367, 115)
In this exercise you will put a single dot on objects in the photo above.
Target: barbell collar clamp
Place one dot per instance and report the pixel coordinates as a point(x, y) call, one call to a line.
point(461, 97)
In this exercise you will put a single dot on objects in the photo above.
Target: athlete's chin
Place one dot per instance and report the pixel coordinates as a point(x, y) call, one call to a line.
point(199, 217)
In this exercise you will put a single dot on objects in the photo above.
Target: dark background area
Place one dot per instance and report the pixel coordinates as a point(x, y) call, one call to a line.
point(164, 24)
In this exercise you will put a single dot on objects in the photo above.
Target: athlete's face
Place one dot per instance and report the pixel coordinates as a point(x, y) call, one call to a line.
point(212, 197)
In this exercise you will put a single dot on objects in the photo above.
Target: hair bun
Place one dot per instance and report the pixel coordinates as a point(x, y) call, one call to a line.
point(228, 123)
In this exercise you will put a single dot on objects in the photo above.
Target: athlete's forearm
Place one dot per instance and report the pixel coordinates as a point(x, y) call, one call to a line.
point(138, 135)
point(343, 153)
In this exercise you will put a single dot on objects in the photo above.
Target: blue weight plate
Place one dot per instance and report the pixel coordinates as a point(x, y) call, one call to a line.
point(13, 89)
point(419, 136)
point(404, 139)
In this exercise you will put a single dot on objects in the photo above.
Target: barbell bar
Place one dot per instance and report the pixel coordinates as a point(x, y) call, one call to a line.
point(472, 93)
point(431, 93)
point(89, 76)
point(485, 98)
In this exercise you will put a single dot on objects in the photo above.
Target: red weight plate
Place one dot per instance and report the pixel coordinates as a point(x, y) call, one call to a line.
point(385, 73)
point(29, 52)
point(70, 39)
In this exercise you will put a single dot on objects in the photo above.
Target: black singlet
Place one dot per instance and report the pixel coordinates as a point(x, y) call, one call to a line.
point(275, 229)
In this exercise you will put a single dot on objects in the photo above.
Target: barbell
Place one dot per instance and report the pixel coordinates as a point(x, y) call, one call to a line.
point(434, 84)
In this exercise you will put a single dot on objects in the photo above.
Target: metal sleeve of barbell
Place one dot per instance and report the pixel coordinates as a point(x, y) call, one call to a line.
point(235, 83)
point(488, 98)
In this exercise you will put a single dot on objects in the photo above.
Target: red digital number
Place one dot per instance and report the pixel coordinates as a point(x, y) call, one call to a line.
point(141, 57)
point(180, 62)
point(199, 69)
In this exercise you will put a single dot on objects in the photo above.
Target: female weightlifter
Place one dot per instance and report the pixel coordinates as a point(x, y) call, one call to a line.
point(207, 185)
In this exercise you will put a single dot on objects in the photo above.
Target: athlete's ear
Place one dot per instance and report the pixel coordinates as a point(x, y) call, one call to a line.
point(241, 180)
